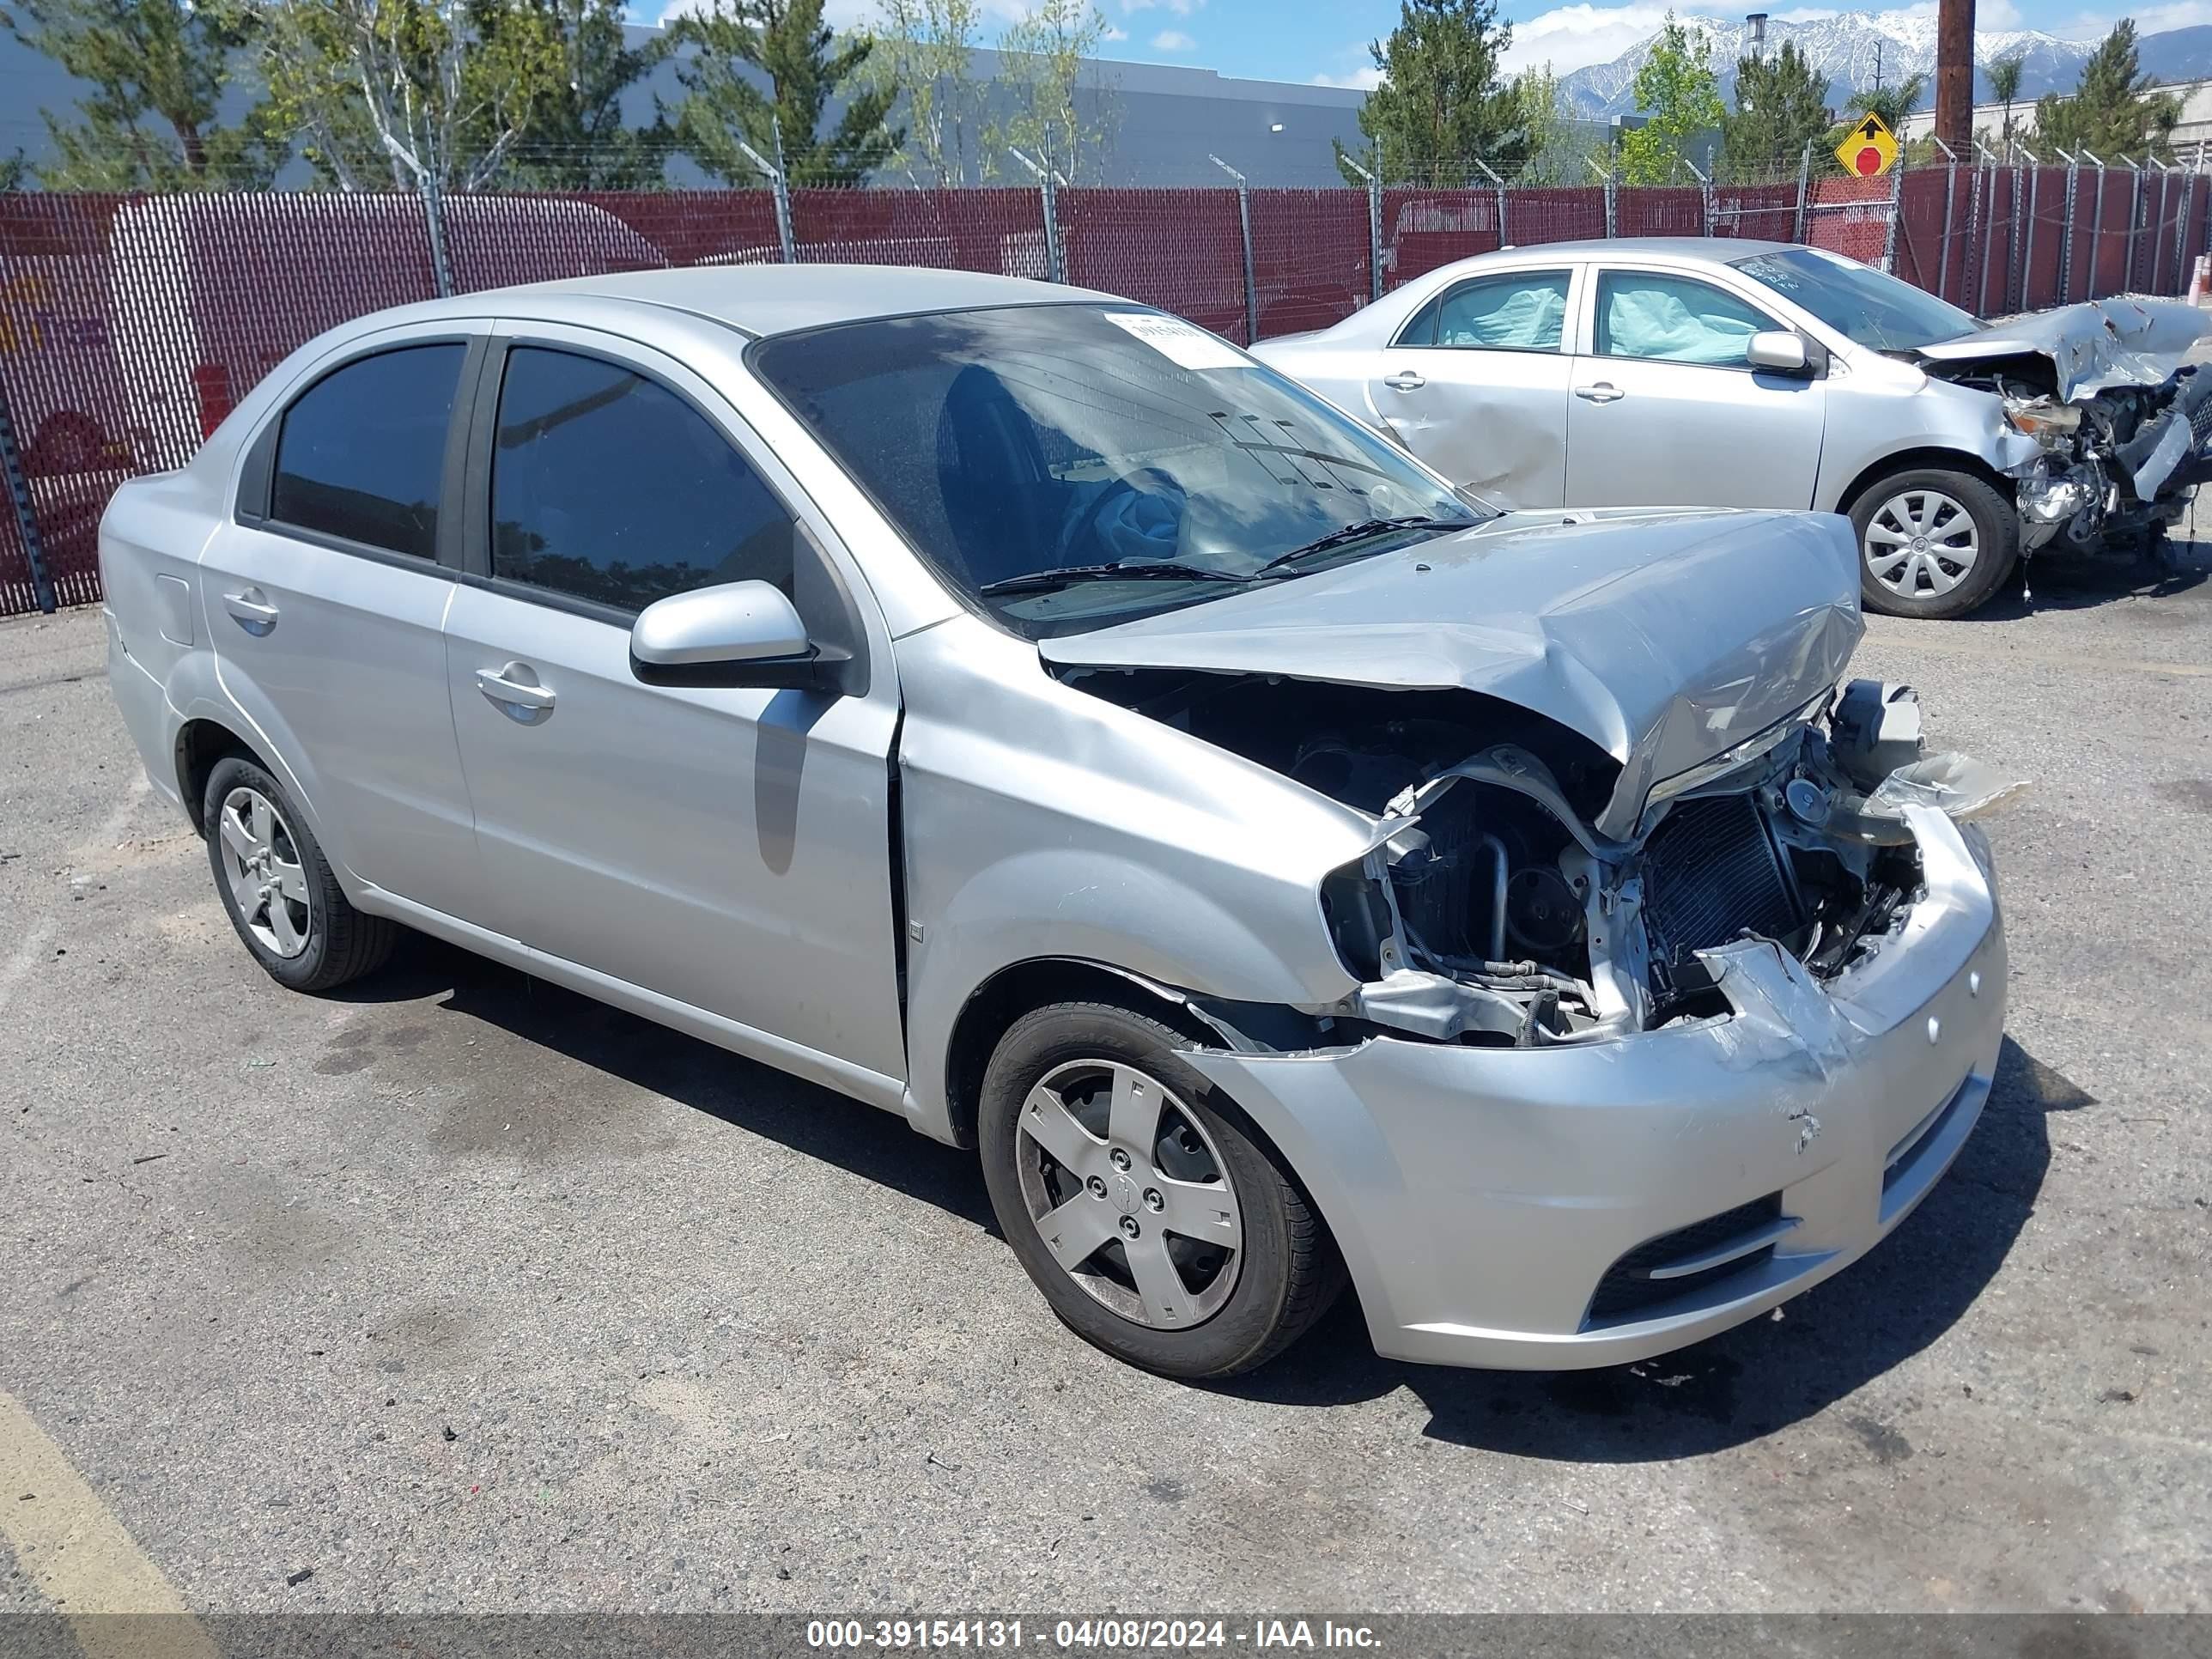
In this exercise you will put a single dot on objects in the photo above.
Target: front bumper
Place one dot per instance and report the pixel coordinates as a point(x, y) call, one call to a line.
point(1481, 1197)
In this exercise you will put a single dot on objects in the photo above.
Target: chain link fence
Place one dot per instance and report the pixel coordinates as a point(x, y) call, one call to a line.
point(131, 326)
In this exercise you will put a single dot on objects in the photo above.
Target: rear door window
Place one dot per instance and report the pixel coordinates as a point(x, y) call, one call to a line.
point(362, 453)
point(1516, 311)
point(607, 486)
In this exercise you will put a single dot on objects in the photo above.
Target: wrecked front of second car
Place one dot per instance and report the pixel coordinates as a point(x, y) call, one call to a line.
point(2121, 421)
point(1670, 976)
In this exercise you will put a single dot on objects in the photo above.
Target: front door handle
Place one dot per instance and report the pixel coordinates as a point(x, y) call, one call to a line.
point(1405, 380)
point(514, 687)
point(1603, 392)
point(252, 610)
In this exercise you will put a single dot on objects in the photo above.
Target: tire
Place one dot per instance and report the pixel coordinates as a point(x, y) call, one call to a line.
point(1229, 1308)
point(1951, 511)
point(289, 908)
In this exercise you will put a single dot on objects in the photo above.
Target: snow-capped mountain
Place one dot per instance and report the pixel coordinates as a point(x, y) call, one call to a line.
point(1848, 48)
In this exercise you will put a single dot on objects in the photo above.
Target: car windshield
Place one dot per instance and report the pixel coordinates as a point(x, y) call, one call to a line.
point(1065, 467)
point(1875, 311)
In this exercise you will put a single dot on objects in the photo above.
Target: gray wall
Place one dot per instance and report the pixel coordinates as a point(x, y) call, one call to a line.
point(1167, 118)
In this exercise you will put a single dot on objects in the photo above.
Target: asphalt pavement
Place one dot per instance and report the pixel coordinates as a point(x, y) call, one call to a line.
point(455, 1290)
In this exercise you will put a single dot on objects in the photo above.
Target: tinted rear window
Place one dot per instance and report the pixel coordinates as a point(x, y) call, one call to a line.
point(363, 452)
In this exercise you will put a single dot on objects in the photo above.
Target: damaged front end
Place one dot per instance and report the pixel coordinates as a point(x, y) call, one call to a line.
point(1492, 909)
point(1489, 911)
point(2123, 423)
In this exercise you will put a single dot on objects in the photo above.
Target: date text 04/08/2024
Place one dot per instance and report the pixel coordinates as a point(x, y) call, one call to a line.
point(1116, 1635)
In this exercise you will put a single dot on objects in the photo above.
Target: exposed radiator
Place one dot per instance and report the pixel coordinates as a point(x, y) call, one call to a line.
point(1712, 870)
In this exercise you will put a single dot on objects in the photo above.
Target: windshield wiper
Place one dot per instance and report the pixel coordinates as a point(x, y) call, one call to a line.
point(1118, 571)
point(1356, 532)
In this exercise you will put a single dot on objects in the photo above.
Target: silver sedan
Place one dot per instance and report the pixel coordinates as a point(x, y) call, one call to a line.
point(1742, 374)
point(1023, 711)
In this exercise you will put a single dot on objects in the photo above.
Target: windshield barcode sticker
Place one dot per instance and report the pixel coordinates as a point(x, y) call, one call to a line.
point(1180, 342)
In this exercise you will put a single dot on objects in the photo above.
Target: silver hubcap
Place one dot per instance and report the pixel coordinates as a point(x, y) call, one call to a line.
point(1921, 544)
point(263, 863)
point(1129, 1193)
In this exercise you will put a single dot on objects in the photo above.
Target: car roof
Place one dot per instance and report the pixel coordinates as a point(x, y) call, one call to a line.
point(1686, 250)
point(778, 298)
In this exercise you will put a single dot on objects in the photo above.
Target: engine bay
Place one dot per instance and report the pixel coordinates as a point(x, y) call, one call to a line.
point(2123, 423)
point(1489, 911)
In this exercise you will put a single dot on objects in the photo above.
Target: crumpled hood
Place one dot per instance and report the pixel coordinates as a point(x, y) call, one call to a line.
point(1665, 638)
point(2095, 345)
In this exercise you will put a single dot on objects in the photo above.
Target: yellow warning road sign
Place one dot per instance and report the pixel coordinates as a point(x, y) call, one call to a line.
point(1869, 149)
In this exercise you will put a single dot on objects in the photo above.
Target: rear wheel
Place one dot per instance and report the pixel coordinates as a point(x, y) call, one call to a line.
point(277, 887)
point(1152, 1213)
point(1934, 542)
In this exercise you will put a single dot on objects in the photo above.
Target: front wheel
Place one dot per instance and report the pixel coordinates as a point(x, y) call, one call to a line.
point(1934, 542)
point(1149, 1210)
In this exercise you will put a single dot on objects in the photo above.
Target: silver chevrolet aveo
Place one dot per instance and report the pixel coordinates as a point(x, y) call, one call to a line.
point(1025, 711)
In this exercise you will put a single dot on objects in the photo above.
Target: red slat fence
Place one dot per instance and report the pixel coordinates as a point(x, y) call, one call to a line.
point(130, 325)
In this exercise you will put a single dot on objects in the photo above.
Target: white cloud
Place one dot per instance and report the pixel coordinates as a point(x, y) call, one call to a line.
point(2149, 20)
point(1172, 40)
point(1180, 7)
point(1110, 33)
point(1363, 80)
point(1570, 37)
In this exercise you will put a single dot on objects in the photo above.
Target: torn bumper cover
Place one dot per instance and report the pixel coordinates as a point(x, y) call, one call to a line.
point(1575, 1206)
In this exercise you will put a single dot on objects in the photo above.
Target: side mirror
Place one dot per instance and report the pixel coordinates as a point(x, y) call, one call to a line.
point(1779, 351)
point(736, 633)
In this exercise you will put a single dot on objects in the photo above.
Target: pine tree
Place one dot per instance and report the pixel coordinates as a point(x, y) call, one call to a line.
point(158, 69)
point(1781, 107)
point(2114, 111)
point(1442, 103)
point(806, 66)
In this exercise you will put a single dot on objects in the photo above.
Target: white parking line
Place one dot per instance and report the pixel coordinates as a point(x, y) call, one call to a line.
point(81, 1559)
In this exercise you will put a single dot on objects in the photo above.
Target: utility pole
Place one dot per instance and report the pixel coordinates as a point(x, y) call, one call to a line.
point(1954, 72)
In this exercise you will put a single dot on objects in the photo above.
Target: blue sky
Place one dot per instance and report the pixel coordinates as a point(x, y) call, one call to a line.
point(1299, 41)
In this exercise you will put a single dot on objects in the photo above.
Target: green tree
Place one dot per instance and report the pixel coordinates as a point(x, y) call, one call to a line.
point(1559, 148)
point(157, 69)
point(1442, 103)
point(720, 50)
point(1043, 59)
point(1680, 98)
point(391, 93)
point(1781, 107)
point(575, 136)
point(2115, 110)
point(15, 174)
point(925, 47)
point(2004, 86)
point(1892, 103)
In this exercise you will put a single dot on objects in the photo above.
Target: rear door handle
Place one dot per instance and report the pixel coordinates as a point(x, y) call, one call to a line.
point(1603, 392)
point(1404, 380)
point(252, 610)
point(515, 689)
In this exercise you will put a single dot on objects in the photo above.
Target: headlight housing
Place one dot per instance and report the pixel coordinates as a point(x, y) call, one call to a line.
point(2050, 423)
